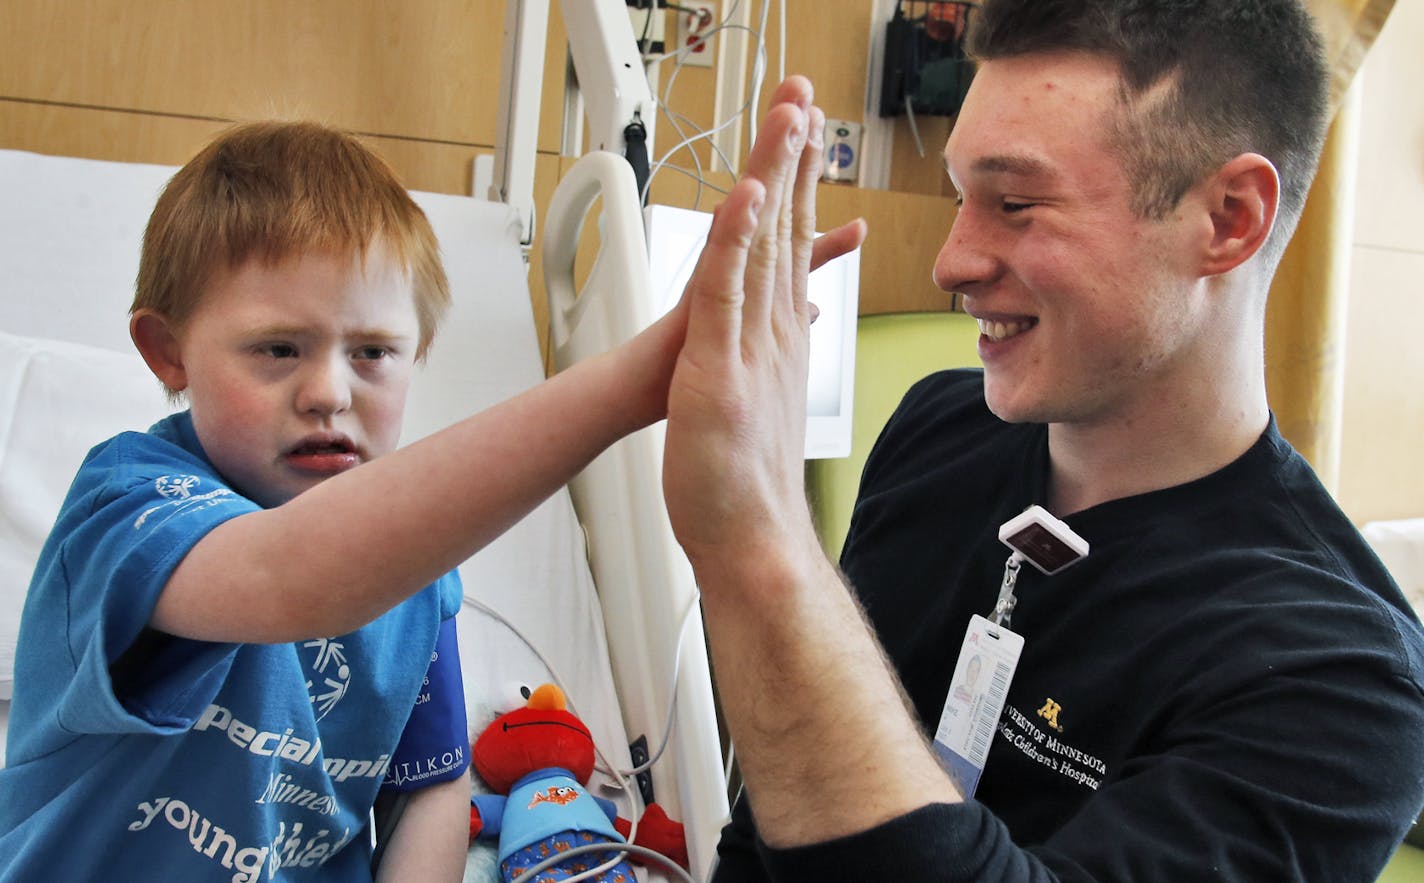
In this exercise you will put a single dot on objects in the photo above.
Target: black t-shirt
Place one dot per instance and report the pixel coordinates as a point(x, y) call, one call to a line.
point(1227, 688)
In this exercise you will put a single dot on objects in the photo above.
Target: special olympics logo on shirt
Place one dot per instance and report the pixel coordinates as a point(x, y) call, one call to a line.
point(177, 493)
point(333, 675)
point(175, 487)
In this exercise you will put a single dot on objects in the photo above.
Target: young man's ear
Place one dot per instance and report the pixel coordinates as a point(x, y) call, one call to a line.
point(157, 342)
point(1243, 196)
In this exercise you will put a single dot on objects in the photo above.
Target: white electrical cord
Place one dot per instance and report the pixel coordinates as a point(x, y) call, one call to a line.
point(681, 125)
point(619, 776)
point(552, 860)
point(672, 689)
point(686, 142)
point(680, 55)
point(758, 71)
point(607, 766)
point(781, 47)
point(620, 780)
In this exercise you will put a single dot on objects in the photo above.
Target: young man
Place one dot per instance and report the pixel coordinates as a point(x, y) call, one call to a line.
point(1228, 687)
point(228, 630)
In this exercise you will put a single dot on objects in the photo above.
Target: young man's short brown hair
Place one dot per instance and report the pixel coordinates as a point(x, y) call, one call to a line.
point(272, 190)
point(1203, 81)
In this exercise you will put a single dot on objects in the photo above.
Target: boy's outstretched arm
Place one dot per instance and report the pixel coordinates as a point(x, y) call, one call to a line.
point(342, 553)
point(826, 743)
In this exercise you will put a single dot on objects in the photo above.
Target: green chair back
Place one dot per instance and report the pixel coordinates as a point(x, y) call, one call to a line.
point(892, 351)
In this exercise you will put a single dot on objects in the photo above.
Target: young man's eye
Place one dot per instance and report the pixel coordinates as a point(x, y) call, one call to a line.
point(1012, 206)
point(278, 350)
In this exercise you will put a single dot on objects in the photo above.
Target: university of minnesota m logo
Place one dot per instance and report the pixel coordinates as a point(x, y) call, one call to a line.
point(1049, 712)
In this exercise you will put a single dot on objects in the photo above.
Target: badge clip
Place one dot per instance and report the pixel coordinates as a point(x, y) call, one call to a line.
point(1041, 540)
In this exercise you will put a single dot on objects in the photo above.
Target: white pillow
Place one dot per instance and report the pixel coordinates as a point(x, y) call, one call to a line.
point(57, 400)
point(1400, 545)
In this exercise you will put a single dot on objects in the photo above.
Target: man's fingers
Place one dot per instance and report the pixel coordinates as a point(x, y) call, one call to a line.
point(773, 161)
point(802, 215)
point(759, 247)
point(714, 294)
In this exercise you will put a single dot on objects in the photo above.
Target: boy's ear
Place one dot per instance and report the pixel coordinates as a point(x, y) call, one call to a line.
point(157, 342)
point(1243, 197)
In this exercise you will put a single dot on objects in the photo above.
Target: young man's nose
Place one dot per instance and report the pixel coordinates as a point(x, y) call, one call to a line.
point(965, 258)
point(325, 386)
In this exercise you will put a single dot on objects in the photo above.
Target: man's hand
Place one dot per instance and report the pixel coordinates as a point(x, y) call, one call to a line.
point(826, 743)
point(732, 470)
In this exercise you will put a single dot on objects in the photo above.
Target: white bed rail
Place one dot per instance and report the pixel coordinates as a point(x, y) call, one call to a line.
point(526, 24)
point(644, 581)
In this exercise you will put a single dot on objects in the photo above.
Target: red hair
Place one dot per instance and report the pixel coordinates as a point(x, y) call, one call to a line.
point(271, 190)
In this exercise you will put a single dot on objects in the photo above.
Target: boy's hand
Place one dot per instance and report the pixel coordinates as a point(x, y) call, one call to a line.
point(733, 464)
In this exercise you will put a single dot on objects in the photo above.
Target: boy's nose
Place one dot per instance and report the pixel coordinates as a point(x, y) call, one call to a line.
point(325, 388)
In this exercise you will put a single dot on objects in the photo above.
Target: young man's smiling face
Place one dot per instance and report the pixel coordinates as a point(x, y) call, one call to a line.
point(1085, 308)
point(298, 370)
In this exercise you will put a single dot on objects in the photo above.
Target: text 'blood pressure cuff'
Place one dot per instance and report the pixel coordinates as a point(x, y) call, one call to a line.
point(435, 745)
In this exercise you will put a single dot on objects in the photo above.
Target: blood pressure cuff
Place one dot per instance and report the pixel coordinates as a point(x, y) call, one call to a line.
point(435, 745)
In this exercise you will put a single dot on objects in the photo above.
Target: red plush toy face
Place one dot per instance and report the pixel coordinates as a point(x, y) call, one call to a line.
point(541, 734)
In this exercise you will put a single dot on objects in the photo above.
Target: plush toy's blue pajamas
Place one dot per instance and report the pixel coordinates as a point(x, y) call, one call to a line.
point(548, 812)
point(514, 867)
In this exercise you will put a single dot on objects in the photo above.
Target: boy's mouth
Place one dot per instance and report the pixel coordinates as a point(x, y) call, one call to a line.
point(325, 454)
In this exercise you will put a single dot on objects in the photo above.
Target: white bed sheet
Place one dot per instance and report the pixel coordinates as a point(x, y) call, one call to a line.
point(1400, 545)
point(69, 236)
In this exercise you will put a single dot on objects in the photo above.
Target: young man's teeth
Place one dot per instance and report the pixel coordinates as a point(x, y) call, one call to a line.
point(1001, 330)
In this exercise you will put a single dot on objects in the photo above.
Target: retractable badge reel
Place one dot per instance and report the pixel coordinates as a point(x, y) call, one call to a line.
point(991, 652)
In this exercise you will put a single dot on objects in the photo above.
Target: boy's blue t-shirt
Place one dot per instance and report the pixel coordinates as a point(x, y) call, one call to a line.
point(136, 755)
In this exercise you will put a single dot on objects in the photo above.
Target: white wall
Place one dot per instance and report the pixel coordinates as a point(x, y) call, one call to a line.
point(1381, 473)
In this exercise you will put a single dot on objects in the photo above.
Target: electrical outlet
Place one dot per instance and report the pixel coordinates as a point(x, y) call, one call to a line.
point(647, 17)
point(696, 26)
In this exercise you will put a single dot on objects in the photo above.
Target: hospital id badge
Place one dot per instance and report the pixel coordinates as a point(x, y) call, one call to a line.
point(976, 699)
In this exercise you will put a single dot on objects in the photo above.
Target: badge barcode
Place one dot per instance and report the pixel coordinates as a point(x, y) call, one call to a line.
point(984, 727)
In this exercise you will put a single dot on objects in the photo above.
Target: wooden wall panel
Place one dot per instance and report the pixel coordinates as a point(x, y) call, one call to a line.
point(402, 69)
point(896, 262)
point(1383, 402)
point(828, 41)
point(154, 81)
point(906, 232)
point(556, 61)
point(912, 172)
point(97, 133)
point(689, 93)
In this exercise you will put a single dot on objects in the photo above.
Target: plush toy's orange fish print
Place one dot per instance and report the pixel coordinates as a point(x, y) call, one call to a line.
point(557, 796)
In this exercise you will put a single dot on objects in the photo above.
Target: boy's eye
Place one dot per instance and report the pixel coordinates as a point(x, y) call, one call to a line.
point(279, 350)
point(372, 352)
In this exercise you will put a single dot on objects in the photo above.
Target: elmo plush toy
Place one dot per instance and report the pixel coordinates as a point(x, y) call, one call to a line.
point(538, 759)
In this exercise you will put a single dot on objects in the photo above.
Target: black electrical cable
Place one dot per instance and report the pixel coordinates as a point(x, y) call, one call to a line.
point(635, 137)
